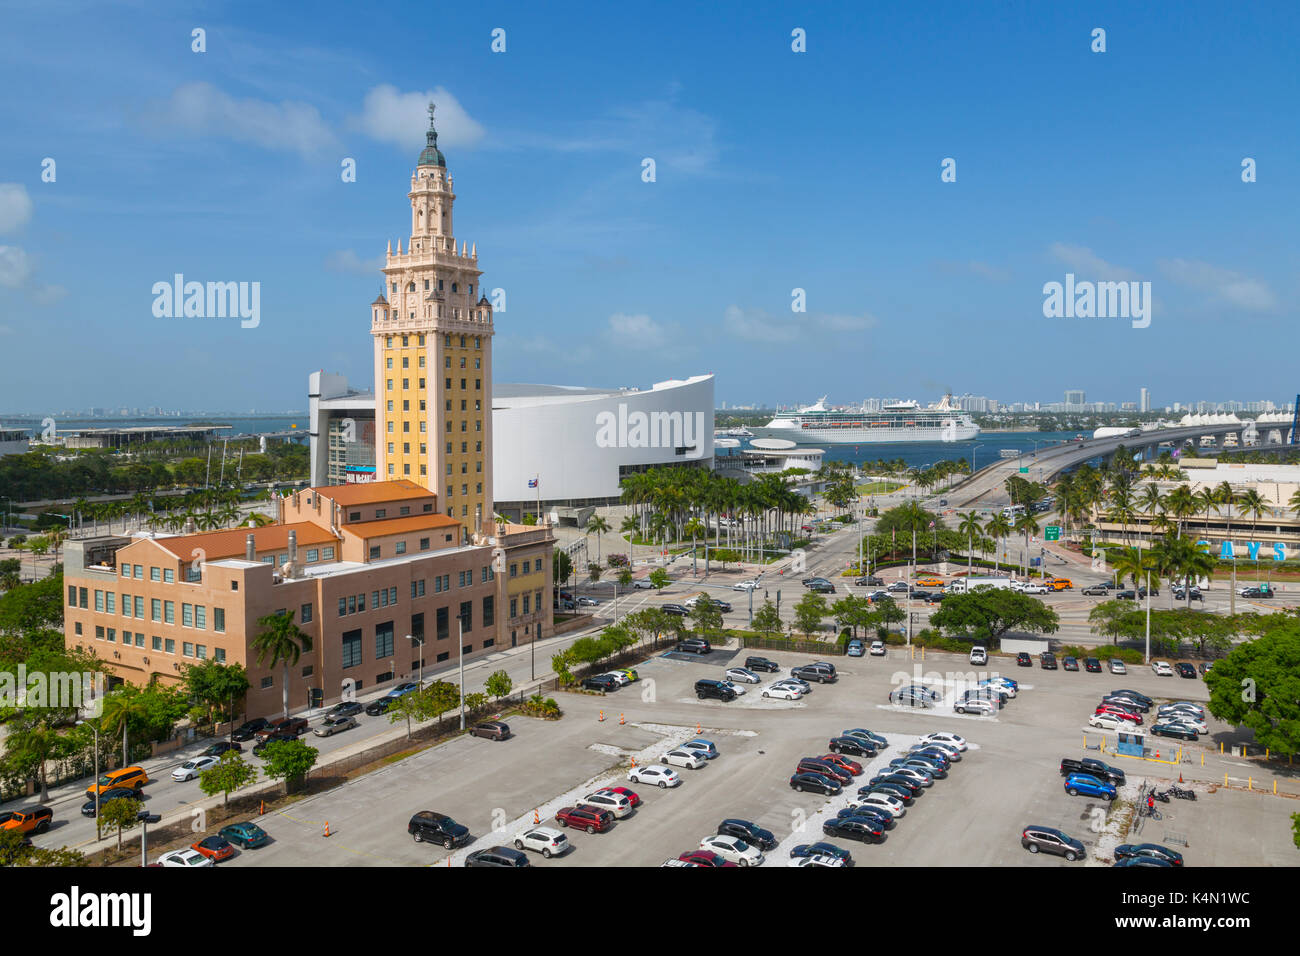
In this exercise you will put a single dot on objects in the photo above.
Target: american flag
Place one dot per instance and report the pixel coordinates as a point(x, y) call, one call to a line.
point(532, 482)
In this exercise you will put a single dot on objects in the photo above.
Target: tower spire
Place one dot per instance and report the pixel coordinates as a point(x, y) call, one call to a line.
point(431, 156)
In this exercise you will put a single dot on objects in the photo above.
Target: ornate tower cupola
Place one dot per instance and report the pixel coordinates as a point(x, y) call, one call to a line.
point(431, 198)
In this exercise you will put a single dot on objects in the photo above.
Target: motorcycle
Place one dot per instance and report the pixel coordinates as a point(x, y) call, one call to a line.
point(1181, 794)
point(1163, 797)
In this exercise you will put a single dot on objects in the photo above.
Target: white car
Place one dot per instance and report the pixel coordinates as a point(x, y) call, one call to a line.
point(817, 859)
point(192, 768)
point(1034, 589)
point(733, 850)
point(547, 841)
point(882, 801)
point(184, 858)
point(1162, 668)
point(643, 584)
point(615, 803)
point(924, 779)
point(657, 774)
point(1186, 720)
point(942, 737)
point(588, 602)
point(782, 692)
point(738, 688)
point(619, 676)
point(1107, 722)
point(741, 674)
point(745, 586)
point(1000, 684)
point(682, 757)
point(1165, 709)
point(877, 650)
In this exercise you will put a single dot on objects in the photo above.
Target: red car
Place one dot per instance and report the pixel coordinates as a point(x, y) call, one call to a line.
point(1119, 712)
point(632, 796)
point(704, 858)
point(584, 817)
point(215, 848)
point(844, 763)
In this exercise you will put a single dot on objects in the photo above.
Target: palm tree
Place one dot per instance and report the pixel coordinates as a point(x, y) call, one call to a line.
point(280, 641)
point(1026, 524)
point(1121, 508)
point(998, 528)
point(970, 526)
point(597, 526)
point(1207, 498)
point(1294, 503)
point(1181, 503)
point(119, 710)
point(1253, 504)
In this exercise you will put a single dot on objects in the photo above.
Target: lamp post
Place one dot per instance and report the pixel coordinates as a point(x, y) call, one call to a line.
point(95, 731)
point(146, 818)
point(460, 644)
point(973, 466)
point(1147, 654)
point(420, 673)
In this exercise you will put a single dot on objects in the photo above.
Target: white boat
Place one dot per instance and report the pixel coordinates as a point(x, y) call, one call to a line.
point(736, 431)
point(899, 422)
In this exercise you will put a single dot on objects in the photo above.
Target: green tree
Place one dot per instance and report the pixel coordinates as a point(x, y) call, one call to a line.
point(474, 700)
point(594, 572)
point(120, 815)
point(997, 528)
point(625, 577)
point(767, 620)
point(597, 525)
point(29, 747)
point(971, 527)
point(987, 613)
point(14, 853)
point(232, 772)
point(561, 665)
point(884, 613)
point(707, 616)
point(120, 709)
point(290, 761)
point(215, 685)
point(280, 641)
point(852, 612)
point(415, 706)
point(1258, 686)
point(809, 612)
point(443, 696)
point(562, 567)
point(659, 578)
point(498, 685)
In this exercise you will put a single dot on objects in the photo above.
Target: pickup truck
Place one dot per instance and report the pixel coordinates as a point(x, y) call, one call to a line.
point(1094, 767)
point(27, 821)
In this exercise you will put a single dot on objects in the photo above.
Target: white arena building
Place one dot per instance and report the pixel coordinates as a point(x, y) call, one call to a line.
point(576, 444)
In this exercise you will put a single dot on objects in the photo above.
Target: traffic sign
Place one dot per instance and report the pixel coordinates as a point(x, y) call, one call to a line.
point(1024, 469)
point(1052, 532)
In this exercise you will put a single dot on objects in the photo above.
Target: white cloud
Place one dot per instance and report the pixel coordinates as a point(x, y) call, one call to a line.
point(15, 267)
point(974, 267)
point(204, 109)
point(15, 206)
point(400, 118)
point(1226, 285)
point(750, 327)
point(1087, 263)
point(347, 261)
point(639, 330)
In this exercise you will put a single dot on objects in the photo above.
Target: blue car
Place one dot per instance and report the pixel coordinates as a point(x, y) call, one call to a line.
point(856, 648)
point(1077, 784)
point(704, 748)
point(825, 849)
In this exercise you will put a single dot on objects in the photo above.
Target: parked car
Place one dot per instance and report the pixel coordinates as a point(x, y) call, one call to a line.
point(247, 835)
point(1136, 695)
point(975, 705)
point(1093, 767)
point(286, 727)
point(187, 857)
point(877, 648)
point(693, 645)
point(1170, 729)
point(1040, 839)
point(219, 748)
point(1082, 784)
point(381, 705)
point(491, 729)
point(819, 672)
point(1092, 665)
point(429, 826)
point(1117, 666)
point(750, 832)
point(843, 763)
point(1185, 670)
point(675, 609)
point(704, 858)
point(733, 849)
point(979, 654)
point(816, 783)
point(705, 748)
point(216, 848)
point(947, 739)
point(1096, 590)
point(249, 728)
point(190, 769)
point(782, 691)
point(1173, 857)
point(615, 803)
point(855, 648)
point(741, 674)
point(333, 725)
point(866, 829)
point(873, 739)
point(913, 696)
point(260, 747)
point(1069, 664)
point(714, 689)
point(806, 850)
point(1162, 669)
point(497, 856)
point(762, 664)
point(1047, 661)
point(601, 682)
point(657, 774)
point(825, 768)
point(547, 841)
point(854, 746)
point(681, 757)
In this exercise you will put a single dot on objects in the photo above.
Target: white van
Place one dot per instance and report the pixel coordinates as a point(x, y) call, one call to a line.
point(978, 655)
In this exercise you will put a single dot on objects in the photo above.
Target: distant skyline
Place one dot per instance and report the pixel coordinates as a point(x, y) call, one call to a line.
point(775, 171)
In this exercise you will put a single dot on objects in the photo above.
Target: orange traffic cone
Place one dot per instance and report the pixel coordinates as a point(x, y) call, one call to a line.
point(601, 717)
point(536, 817)
point(699, 729)
point(327, 828)
point(1180, 776)
point(262, 809)
point(621, 720)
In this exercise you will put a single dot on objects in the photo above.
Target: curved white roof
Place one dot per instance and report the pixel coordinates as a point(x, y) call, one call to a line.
point(772, 444)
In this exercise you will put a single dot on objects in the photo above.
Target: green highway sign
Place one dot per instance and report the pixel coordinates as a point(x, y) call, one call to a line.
point(1052, 532)
point(1024, 470)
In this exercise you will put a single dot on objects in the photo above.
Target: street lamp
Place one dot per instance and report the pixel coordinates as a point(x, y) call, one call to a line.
point(420, 640)
point(95, 730)
point(973, 467)
point(460, 644)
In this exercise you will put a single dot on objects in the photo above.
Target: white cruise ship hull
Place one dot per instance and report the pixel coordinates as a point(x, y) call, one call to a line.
point(819, 434)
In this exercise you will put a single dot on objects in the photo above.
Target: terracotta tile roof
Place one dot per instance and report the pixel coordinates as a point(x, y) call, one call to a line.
point(374, 492)
point(229, 543)
point(386, 526)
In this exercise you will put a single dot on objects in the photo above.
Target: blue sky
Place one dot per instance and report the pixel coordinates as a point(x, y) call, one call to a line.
point(775, 170)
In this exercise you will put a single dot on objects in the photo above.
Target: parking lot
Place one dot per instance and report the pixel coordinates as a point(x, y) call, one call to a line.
point(1008, 778)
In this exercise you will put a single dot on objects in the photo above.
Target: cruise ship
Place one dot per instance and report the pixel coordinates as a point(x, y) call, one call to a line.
point(899, 422)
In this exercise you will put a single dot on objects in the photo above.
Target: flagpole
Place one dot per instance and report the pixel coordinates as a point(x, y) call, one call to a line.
point(537, 483)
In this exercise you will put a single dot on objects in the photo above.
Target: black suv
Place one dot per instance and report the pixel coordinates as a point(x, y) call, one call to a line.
point(1093, 767)
point(497, 856)
point(246, 730)
point(601, 682)
point(694, 645)
point(1023, 659)
point(1050, 840)
point(870, 581)
point(762, 664)
point(676, 609)
point(715, 689)
point(751, 833)
point(1047, 660)
point(430, 827)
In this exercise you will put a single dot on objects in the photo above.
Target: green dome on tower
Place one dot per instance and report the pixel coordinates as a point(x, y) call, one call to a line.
point(431, 155)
